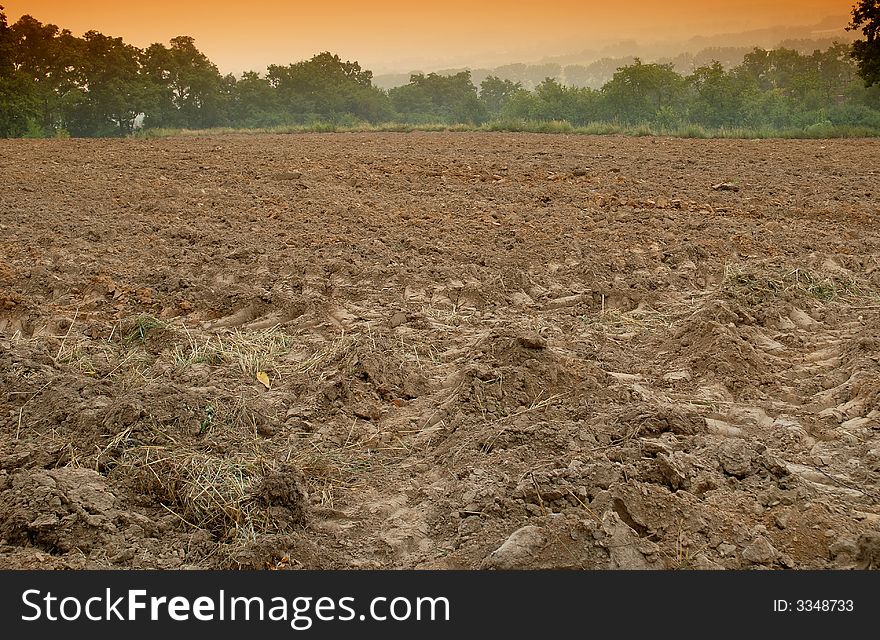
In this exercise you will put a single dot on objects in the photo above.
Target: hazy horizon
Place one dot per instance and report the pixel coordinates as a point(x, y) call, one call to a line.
point(395, 37)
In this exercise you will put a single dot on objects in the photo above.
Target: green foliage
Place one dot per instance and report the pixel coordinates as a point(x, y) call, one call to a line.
point(33, 130)
point(496, 93)
point(254, 102)
point(19, 105)
point(6, 66)
point(115, 91)
point(553, 101)
point(183, 87)
point(143, 324)
point(866, 16)
point(558, 102)
point(40, 56)
point(718, 99)
point(19, 100)
point(448, 99)
point(327, 88)
point(530, 126)
point(53, 83)
point(644, 93)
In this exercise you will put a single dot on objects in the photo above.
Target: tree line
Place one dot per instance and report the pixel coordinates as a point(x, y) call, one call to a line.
point(54, 83)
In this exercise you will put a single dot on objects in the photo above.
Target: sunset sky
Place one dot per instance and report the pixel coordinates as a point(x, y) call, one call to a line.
point(400, 36)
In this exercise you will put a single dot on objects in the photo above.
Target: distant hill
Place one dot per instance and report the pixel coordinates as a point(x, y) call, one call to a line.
point(594, 67)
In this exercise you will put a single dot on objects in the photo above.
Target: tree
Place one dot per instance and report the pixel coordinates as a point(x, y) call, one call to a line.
point(6, 67)
point(184, 85)
point(19, 103)
point(554, 100)
point(254, 102)
point(112, 91)
point(718, 97)
point(774, 69)
point(576, 75)
point(325, 87)
point(836, 68)
point(866, 16)
point(495, 93)
point(642, 93)
point(515, 72)
point(577, 105)
point(451, 99)
point(535, 74)
point(45, 59)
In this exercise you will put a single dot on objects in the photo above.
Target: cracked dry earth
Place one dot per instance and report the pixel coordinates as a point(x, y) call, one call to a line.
point(439, 350)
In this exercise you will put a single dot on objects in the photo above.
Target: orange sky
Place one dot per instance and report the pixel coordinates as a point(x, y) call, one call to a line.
point(395, 35)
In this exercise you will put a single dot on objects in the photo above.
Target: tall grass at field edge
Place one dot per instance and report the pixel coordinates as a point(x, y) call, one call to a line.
point(819, 131)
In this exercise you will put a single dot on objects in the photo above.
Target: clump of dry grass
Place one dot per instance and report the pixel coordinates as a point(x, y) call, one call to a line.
point(101, 358)
point(88, 357)
point(337, 349)
point(756, 285)
point(267, 350)
point(224, 495)
point(618, 322)
point(210, 472)
point(211, 469)
point(328, 471)
point(248, 352)
point(206, 491)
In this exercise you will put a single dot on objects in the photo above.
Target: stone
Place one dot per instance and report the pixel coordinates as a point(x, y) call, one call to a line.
point(567, 301)
point(398, 319)
point(868, 551)
point(532, 341)
point(760, 551)
point(702, 563)
point(782, 519)
point(623, 544)
point(721, 428)
point(517, 550)
point(673, 472)
point(735, 458)
point(843, 549)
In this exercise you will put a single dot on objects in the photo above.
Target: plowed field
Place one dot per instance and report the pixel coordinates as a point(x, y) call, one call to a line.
point(439, 351)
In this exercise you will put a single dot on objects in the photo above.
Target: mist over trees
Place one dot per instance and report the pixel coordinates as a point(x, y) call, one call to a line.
point(55, 83)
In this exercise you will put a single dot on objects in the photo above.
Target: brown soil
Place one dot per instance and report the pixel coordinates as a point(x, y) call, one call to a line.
point(482, 350)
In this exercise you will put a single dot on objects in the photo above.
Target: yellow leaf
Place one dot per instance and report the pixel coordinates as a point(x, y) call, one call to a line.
point(263, 378)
